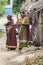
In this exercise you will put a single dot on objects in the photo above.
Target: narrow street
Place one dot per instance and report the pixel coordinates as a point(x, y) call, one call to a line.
point(14, 57)
point(5, 55)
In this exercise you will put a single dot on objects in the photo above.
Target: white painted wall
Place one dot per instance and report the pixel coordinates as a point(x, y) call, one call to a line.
point(11, 2)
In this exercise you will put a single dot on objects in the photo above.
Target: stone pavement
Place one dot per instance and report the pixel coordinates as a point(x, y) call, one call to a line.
point(4, 53)
point(20, 58)
point(13, 56)
point(4, 56)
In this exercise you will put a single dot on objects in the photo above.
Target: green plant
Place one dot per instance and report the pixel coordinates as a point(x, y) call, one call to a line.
point(17, 5)
point(2, 4)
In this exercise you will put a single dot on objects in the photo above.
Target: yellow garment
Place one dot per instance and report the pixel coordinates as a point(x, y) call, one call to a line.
point(26, 20)
point(19, 16)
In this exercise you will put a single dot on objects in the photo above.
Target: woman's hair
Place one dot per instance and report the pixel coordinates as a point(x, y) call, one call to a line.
point(9, 17)
point(23, 14)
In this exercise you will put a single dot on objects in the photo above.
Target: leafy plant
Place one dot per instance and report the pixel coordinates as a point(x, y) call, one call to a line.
point(2, 4)
point(17, 5)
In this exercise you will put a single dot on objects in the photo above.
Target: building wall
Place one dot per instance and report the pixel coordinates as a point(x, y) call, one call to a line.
point(8, 8)
point(11, 2)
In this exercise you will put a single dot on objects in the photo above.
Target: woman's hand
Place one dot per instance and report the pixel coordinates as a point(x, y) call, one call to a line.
point(9, 27)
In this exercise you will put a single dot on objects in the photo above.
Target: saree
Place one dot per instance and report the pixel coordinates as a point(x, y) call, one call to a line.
point(11, 41)
point(23, 34)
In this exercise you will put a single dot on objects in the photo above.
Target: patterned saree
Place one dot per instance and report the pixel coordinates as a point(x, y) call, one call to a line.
point(23, 34)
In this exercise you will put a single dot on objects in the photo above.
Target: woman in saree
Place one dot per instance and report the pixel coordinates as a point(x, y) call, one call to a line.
point(24, 31)
point(11, 42)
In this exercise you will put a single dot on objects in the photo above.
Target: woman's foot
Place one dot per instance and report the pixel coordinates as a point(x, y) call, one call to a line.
point(8, 49)
point(20, 48)
point(12, 48)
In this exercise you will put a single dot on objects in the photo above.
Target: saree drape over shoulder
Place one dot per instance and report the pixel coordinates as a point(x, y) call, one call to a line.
point(24, 33)
point(11, 35)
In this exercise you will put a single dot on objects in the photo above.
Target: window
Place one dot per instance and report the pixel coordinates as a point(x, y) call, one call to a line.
point(8, 1)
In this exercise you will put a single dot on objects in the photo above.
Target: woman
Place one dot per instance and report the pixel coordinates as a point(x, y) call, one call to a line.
point(11, 42)
point(23, 34)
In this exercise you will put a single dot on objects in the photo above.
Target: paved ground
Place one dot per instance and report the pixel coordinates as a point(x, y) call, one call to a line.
point(10, 57)
point(5, 55)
